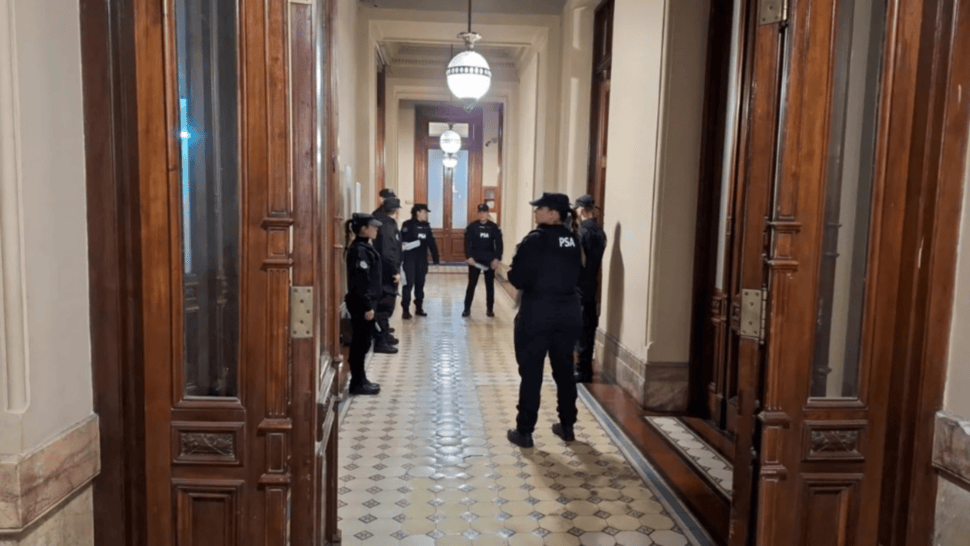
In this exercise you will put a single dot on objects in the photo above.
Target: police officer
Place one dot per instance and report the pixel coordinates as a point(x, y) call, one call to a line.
point(388, 245)
point(417, 229)
point(546, 268)
point(363, 292)
point(483, 249)
point(593, 242)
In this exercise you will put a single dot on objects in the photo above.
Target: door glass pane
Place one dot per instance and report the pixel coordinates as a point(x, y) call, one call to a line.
point(459, 192)
point(848, 199)
point(436, 189)
point(207, 74)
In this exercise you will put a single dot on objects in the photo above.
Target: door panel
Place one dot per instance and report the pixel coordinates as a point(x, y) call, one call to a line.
point(743, 361)
point(451, 194)
point(821, 456)
point(230, 416)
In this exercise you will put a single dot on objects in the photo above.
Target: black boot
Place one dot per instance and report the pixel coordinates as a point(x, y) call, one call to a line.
point(366, 388)
point(489, 313)
point(583, 375)
point(518, 438)
point(407, 312)
point(566, 433)
point(466, 313)
point(419, 310)
point(385, 348)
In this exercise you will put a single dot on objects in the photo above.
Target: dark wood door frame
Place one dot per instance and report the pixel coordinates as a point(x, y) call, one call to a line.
point(381, 129)
point(108, 37)
point(600, 101)
point(927, 163)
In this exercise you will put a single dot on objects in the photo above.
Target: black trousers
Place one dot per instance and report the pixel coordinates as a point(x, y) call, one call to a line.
point(473, 273)
point(415, 272)
point(360, 343)
point(548, 326)
point(587, 337)
point(384, 311)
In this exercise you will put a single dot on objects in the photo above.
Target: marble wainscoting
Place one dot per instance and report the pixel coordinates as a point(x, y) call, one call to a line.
point(951, 458)
point(39, 489)
point(657, 386)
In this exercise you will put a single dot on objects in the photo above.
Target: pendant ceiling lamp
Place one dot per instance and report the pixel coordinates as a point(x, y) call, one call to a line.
point(468, 73)
point(450, 142)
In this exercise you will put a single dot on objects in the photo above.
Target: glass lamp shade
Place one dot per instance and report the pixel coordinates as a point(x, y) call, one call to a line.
point(450, 142)
point(469, 75)
point(450, 161)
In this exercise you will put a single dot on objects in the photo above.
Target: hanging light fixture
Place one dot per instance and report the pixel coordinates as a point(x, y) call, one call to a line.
point(450, 141)
point(468, 73)
point(450, 161)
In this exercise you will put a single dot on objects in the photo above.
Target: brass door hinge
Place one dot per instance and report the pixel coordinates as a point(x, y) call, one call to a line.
point(754, 307)
point(771, 12)
point(301, 312)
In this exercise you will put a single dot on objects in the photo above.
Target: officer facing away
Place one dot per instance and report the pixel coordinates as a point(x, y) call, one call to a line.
point(417, 230)
point(483, 248)
point(546, 268)
point(388, 245)
point(363, 292)
point(593, 241)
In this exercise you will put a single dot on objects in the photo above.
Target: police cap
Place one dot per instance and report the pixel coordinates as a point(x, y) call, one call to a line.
point(387, 192)
point(584, 202)
point(554, 201)
point(391, 204)
point(362, 219)
point(418, 207)
point(483, 207)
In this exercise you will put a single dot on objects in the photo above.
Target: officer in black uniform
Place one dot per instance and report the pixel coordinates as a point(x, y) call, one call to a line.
point(363, 292)
point(593, 242)
point(483, 249)
point(546, 268)
point(416, 259)
point(388, 245)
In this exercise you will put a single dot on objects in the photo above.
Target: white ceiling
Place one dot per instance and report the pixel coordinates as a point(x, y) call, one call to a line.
point(518, 7)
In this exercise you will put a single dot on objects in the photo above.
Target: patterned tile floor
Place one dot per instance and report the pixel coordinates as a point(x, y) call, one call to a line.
point(704, 457)
point(426, 462)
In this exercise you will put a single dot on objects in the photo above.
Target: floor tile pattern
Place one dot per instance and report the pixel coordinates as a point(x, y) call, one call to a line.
point(426, 462)
point(696, 451)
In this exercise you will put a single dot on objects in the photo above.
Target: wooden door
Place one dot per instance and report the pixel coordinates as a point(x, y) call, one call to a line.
point(452, 194)
point(600, 107)
point(811, 409)
point(238, 379)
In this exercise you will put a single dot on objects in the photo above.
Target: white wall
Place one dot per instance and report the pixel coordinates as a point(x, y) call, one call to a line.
point(46, 362)
point(575, 87)
point(348, 100)
point(403, 180)
point(517, 205)
point(678, 175)
point(632, 148)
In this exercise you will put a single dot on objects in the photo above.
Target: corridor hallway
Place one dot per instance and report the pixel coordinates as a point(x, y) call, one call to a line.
point(426, 461)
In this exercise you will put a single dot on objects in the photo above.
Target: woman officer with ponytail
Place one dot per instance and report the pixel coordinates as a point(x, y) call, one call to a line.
point(364, 288)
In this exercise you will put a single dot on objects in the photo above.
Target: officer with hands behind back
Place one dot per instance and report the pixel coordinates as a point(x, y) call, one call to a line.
point(418, 231)
point(546, 268)
point(593, 242)
point(483, 249)
point(388, 245)
point(364, 287)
